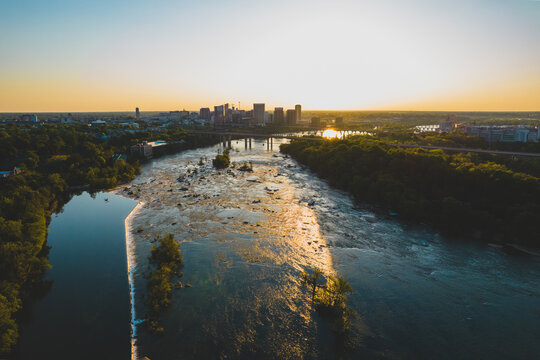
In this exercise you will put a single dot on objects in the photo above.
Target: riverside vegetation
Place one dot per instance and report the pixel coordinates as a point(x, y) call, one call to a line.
point(222, 161)
point(471, 195)
point(330, 298)
point(167, 258)
point(55, 160)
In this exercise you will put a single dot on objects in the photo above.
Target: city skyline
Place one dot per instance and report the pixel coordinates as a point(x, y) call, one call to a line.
point(72, 56)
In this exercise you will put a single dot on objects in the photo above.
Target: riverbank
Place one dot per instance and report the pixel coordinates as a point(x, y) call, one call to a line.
point(463, 195)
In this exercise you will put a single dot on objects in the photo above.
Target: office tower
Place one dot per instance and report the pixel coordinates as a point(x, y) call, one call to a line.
point(227, 115)
point(218, 115)
point(258, 114)
point(279, 116)
point(298, 109)
point(137, 114)
point(315, 121)
point(204, 114)
point(291, 117)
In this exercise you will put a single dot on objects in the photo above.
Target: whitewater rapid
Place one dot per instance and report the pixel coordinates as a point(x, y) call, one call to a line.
point(131, 266)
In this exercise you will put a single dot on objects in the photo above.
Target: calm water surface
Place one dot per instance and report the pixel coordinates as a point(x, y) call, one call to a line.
point(86, 314)
point(245, 237)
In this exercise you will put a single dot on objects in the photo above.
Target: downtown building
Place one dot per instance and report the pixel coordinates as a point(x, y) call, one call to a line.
point(298, 109)
point(258, 114)
point(279, 116)
point(205, 114)
point(291, 117)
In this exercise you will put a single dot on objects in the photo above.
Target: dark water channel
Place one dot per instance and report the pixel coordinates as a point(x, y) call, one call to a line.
point(86, 313)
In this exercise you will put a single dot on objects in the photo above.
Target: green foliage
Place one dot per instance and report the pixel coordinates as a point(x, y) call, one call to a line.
point(53, 159)
point(167, 253)
point(312, 280)
point(222, 161)
point(167, 258)
point(247, 166)
point(9, 304)
point(462, 194)
point(330, 299)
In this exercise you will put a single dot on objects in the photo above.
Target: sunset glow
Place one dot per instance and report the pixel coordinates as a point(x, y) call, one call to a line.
point(344, 54)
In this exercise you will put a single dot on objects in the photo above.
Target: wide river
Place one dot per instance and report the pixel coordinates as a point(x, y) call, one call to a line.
point(245, 238)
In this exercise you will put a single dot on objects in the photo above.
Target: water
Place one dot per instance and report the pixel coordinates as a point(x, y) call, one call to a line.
point(86, 313)
point(246, 236)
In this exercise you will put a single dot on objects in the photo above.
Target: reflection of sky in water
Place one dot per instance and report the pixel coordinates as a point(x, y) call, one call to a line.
point(246, 236)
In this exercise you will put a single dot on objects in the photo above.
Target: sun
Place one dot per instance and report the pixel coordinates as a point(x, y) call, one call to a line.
point(330, 134)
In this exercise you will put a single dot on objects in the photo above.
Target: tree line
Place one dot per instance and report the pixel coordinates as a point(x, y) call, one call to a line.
point(55, 160)
point(470, 195)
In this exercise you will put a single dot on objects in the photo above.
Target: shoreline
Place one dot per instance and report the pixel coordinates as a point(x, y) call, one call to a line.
point(130, 256)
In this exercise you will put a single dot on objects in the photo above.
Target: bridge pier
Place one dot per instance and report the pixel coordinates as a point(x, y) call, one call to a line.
point(229, 141)
point(250, 143)
point(246, 143)
point(271, 143)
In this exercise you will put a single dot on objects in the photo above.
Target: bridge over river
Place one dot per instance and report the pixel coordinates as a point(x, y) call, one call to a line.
point(227, 136)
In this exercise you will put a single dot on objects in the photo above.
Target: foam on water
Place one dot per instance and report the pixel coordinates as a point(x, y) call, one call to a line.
point(131, 266)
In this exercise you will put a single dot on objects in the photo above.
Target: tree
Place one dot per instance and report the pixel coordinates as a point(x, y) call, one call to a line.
point(312, 280)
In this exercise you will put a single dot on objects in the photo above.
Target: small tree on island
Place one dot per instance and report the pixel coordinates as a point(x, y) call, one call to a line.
point(167, 258)
point(222, 161)
point(330, 299)
point(312, 280)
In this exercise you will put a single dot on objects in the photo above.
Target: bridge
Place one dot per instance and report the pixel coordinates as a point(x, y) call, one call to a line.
point(227, 136)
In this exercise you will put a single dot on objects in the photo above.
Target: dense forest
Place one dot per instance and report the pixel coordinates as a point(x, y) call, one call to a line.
point(474, 196)
point(55, 161)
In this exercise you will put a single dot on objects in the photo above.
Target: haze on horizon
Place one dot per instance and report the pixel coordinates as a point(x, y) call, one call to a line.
point(461, 55)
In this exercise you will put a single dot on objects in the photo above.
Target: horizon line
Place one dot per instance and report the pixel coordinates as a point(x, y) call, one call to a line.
point(303, 110)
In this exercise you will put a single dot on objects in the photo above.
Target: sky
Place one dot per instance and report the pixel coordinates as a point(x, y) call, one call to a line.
point(115, 55)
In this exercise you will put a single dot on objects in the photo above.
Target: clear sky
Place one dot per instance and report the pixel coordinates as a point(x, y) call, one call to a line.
point(106, 55)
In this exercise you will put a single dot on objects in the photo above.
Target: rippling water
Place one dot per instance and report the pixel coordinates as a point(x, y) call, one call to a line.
point(246, 236)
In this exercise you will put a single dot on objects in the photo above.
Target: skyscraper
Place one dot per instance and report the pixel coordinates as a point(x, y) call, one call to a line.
point(258, 114)
point(137, 114)
point(291, 117)
point(279, 116)
point(298, 109)
point(219, 115)
point(226, 114)
point(204, 114)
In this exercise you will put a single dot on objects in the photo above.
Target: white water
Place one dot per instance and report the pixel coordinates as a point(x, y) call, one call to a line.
point(131, 266)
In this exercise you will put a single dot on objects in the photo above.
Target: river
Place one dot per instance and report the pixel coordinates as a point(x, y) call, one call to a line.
point(85, 314)
point(245, 237)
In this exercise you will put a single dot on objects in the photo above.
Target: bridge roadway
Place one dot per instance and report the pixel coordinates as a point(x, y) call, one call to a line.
point(428, 147)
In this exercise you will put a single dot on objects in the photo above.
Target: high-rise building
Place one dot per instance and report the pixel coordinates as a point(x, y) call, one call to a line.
point(137, 114)
point(315, 121)
point(258, 114)
point(204, 114)
point(298, 109)
point(291, 117)
point(279, 116)
point(219, 115)
point(227, 114)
